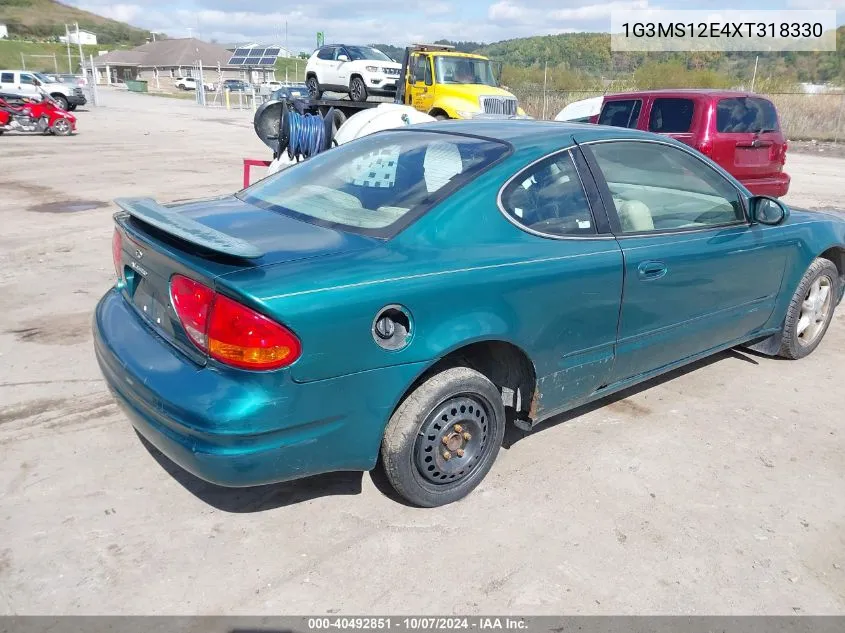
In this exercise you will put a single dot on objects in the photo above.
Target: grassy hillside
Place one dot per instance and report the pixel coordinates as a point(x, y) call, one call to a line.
point(10, 55)
point(45, 19)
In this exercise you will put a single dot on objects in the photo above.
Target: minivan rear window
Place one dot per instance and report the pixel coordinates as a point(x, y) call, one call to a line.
point(671, 115)
point(746, 114)
point(623, 113)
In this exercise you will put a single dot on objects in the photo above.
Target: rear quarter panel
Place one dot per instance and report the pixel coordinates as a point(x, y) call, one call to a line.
point(465, 274)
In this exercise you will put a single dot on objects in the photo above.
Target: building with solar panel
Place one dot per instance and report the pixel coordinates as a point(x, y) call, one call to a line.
point(163, 61)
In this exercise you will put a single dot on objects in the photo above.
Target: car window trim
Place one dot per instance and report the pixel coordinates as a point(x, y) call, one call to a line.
point(590, 194)
point(610, 208)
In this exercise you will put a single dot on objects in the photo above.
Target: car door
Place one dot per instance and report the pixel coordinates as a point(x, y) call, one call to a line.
point(698, 275)
point(341, 67)
point(422, 92)
point(575, 298)
point(7, 82)
point(27, 83)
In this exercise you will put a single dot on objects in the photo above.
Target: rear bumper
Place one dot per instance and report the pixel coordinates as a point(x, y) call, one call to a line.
point(238, 428)
point(776, 186)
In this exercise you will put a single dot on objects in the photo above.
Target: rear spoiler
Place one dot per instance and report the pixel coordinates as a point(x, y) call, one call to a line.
point(177, 224)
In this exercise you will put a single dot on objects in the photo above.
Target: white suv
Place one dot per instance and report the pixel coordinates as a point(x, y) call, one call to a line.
point(358, 70)
point(190, 83)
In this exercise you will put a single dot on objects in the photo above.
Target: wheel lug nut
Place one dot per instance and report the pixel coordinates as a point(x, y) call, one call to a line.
point(467, 437)
point(447, 455)
point(460, 452)
point(445, 439)
point(458, 428)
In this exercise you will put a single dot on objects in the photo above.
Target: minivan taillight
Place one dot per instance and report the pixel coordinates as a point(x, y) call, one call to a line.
point(230, 331)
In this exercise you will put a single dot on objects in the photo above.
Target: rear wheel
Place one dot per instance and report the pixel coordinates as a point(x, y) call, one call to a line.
point(444, 438)
point(357, 89)
point(61, 127)
point(313, 87)
point(811, 310)
point(61, 100)
point(441, 117)
point(71, 107)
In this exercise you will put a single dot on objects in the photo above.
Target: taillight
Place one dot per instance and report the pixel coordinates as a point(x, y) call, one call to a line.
point(192, 302)
point(117, 254)
point(229, 331)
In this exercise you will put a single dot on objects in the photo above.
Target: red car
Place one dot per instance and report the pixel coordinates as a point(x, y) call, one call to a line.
point(738, 130)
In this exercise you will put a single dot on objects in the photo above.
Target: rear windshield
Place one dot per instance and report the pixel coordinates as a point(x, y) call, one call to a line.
point(376, 184)
point(746, 114)
point(621, 113)
point(671, 115)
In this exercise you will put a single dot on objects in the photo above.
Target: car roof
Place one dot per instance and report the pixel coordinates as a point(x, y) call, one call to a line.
point(683, 92)
point(525, 133)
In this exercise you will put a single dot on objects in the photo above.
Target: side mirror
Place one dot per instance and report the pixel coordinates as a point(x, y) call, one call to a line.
point(36, 82)
point(343, 58)
point(767, 210)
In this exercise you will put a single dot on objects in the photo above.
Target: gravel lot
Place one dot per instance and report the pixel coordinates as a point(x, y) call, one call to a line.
point(717, 489)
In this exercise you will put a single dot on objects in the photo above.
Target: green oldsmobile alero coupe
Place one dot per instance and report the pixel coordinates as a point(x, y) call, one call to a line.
point(405, 294)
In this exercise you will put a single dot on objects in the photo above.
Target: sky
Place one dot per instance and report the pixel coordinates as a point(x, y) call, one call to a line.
point(397, 22)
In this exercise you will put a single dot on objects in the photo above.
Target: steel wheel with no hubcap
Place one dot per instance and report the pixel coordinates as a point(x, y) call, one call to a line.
point(452, 440)
point(814, 310)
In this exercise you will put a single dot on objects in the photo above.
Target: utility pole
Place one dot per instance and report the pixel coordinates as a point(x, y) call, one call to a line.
point(67, 38)
point(754, 76)
point(79, 43)
point(545, 77)
point(287, 50)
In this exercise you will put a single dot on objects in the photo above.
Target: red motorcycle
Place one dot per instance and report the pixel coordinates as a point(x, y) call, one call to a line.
point(21, 113)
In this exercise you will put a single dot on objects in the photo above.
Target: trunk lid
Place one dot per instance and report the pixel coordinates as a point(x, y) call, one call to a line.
point(204, 240)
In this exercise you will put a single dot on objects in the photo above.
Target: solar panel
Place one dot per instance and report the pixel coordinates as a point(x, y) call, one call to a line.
point(256, 55)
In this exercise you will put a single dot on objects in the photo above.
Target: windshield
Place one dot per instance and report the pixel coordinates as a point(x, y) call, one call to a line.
point(464, 70)
point(378, 181)
point(366, 52)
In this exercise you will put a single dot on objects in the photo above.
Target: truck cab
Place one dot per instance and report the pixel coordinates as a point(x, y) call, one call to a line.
point(450, 85)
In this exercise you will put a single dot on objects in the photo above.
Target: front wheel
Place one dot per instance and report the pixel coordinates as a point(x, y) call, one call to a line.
point(61, 127)
point(811, 310)
point(443, 439)
point(71, 107)
point(357, 89)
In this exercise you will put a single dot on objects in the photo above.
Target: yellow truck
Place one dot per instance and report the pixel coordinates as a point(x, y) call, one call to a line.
point(446, 84)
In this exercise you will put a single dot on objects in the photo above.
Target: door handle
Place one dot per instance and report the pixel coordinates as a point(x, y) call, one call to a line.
point(648, 271)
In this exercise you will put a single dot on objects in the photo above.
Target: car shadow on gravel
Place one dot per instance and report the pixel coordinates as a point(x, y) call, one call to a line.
point(619, 400)
point(259, 498)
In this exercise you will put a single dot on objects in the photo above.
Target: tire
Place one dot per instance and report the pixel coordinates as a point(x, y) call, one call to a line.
point(413, 450)
point(798, 338)
point(61, 100)
point(61, 127)
point(358, 90)
point(313, 87)
point(71, 107)
point(441, 117)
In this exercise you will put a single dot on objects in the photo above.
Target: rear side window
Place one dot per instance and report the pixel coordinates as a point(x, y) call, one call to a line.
point(746, 114)
point(27, 79)
point(326, 53)
point(7, 78)
point(671, 116)
point(548, 198)
point(621, 113)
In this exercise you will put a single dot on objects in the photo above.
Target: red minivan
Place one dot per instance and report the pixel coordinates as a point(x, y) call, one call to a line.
point(738, 130)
